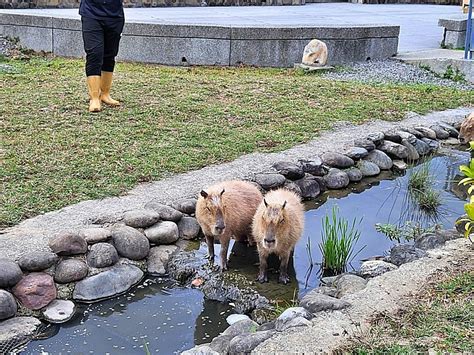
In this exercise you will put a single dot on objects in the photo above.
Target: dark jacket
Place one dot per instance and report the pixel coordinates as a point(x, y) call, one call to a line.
point(99, 9)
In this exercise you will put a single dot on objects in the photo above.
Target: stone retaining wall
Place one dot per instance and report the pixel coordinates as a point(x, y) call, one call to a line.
point(173, 44)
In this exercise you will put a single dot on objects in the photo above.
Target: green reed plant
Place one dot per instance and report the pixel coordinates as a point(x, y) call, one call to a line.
point(339, 238)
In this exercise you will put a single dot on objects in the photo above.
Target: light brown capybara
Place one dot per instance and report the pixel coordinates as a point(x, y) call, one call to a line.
point(277, 227)
point(466, 133)
point(225, 211)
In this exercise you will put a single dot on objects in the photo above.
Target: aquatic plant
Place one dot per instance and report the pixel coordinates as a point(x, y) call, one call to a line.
point(409, 231)
point(338, 241)
point(420, 182)
point(428, 200)
point(468, 172)
point(420, 179)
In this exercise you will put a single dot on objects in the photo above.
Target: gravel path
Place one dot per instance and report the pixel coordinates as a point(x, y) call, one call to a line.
point(393, 71)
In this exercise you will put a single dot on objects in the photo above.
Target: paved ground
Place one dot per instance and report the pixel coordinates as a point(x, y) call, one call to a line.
point(419, 23)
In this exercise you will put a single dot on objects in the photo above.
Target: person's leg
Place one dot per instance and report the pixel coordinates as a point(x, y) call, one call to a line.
point(93, 37)
point(113, 34)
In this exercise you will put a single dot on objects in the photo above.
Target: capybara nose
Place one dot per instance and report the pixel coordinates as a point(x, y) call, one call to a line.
point(269, 241)
point(220, 229)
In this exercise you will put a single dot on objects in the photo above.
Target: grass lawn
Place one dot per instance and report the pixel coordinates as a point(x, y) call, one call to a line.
point(173, 120)
point(442, 319)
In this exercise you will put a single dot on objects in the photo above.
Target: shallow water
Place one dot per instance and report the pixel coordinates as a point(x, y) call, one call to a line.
point(171, 319)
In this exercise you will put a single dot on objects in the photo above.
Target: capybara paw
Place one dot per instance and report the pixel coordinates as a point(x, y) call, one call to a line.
point(224, 267)
point(262, 278)
point(210, 257)
point(284, 279)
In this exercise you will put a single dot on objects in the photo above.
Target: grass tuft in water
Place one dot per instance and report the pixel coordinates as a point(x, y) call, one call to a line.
point(338, 241)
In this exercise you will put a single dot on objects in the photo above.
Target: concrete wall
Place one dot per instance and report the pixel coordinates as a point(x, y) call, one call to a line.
point(173, 44)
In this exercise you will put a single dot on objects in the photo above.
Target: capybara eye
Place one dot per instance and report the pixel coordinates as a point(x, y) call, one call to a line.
point(282, 220)
point(208, 209)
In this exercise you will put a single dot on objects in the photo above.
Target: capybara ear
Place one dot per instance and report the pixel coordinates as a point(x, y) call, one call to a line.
point(284, 204)
point(265, 202)
point(204, 194)
point(223, 190)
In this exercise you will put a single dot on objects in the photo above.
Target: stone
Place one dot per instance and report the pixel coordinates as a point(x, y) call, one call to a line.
point(393, 150)
point(297, 322)
point(8, 306)
point(140, 218)
point(337, 160)
point(158, 258)
point(412, 131)
point(107, 284)
point(316, 302)
point(410, 138)
point(289, 315)
point(130, 243)
point(449, 234)
point(221, 344)
point(399, 165)
point(244, 344)
point(314, 166)
point(440, 132)
point(379, 158)
point(165, 232)
point(68, 243)
point(200, 350)
point(326, 290)
point(102, 255)
point(167, 213)
point(373, 268)
point(422, 148)
point(433, 144)
point(367, 144)
point(270, 181)
point(336, 179)
point(95, 235)
point(37, 261)
point(289, 170)
point(241, 327)
point(354, 174)
point(187, 205)
point(309, 188)
point(290, 185)
point(376, 137)
point(460, 224)
point(404, 253)
point(411, 150)
point(35, 291)
point(368, 168)
point(234, 318)
point(18, 330)
point(321, 182)
point(348, 284)
point(59, 311)
point(267, 326)
point(453, 132)
point(70, 270)
point(315, 53)
point(428, 241)
point(451, 141)
point(357, 153)
point(393, 136)
point(427, 132)
point(11, 273)
point(188, 228)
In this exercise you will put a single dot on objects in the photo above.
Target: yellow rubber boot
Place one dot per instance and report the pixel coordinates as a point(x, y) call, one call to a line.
point(105, 85)
point(93, 83)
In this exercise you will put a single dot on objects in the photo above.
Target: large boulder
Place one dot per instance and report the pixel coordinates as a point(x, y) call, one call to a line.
point(270, 181)
point(186, 205)
point(405, 253)
point(440, 132)
point(348, 284)
point(354, 174)
point(367, 144)
point(314, 166)
point(102, 255)
point(130, 243)
point(35, 291)
point(316, 302)
point(108, 283)
point(289, 170)
point(336, 179)
point(357, 153)
point(373, 268)
point(8, 305)
point(167, 213)
point(165, 232)
point(245, 343)
point(70, 270)
point(68, 243)
point(18, 330)
point(309, 187)
point(188, 228)
point(11, 273)
point(376, 137)
point(95, 235)
point(38, 260)
point(241, 327)
point(368, 168)
point(427, 132)
point(337, 160)
point(412, 153)
point(158, 259)
point(287, 318)
point(379, 158)
point(453, 132)
point(140, 218)
point(393, 150)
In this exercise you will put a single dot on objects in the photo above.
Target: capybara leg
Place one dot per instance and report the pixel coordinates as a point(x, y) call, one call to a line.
point(210, 247)
point(262, 275)
point(224, 248)
point(284, 279)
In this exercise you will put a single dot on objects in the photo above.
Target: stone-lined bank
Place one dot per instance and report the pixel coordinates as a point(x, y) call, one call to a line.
point(90, 264)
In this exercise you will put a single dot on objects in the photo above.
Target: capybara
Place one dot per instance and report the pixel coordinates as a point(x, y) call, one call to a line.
point(466, 133)
point(277, 227)
point(225, 211)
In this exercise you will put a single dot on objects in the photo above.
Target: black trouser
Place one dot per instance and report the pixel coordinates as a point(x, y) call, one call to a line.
point(101, 43)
